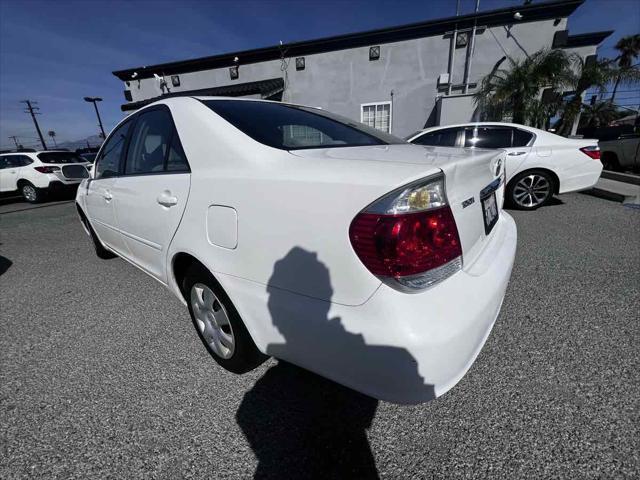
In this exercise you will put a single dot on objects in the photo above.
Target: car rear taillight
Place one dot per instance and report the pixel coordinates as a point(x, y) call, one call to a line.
point(593, 151)
point(47, 169)
point(409, 237)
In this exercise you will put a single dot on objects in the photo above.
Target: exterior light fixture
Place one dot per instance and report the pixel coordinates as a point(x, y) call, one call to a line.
point(233, 72)
point(95, 101)
point(300, 63)
point(462, 39)
point(374, 53)
point(175, 80)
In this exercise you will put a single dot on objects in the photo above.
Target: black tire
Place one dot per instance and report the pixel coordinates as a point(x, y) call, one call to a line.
point(610, 162)
point(31, 193)
point(535, 199)
point(101, 252)
point(245, 356)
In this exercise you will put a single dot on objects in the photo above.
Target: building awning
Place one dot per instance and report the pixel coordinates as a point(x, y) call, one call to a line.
point(265, 88)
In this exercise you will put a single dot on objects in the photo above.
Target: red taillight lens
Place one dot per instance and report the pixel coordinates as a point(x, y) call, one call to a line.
point(47, 169)
point(592, 151)
point(405, 244)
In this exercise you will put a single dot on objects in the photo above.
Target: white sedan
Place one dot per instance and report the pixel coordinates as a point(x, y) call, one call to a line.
point(292, 232)
point(539, 164)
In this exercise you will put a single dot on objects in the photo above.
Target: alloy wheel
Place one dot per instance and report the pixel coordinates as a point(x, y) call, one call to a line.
point(531, 191)
point(29, 193)
point(212, 320)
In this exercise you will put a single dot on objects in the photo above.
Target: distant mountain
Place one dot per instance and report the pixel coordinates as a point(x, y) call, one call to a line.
point(93, 140)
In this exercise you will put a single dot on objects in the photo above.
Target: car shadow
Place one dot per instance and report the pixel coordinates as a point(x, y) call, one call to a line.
point(553, 202)
point(299, 424)
point(5, 264)
point(8, 200)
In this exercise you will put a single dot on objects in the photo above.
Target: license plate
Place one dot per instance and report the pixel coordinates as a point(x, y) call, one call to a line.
point(489, 212)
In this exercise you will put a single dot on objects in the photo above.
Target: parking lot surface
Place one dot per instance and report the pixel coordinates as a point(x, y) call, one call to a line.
point(103, 376)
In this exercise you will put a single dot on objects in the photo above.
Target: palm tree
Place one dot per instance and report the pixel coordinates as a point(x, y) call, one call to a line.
point(582, 76)
point(629, 48)
point(599, 114)
point(52, 134)
point(516, 91)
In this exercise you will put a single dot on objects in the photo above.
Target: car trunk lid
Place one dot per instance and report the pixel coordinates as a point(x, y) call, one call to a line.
point(473, 178)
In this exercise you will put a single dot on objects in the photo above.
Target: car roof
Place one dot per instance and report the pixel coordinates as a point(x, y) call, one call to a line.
point(478, 124)
point(179, 98)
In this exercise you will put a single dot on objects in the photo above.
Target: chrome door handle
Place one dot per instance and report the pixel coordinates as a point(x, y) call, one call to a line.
point(167, 200)
point(107, 195)
point(515, 154)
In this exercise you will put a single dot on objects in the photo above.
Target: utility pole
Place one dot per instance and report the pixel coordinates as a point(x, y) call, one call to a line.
point(33, 111)
point(15, 140)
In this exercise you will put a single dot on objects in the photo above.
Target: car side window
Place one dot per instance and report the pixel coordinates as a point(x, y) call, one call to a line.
point(521, 138)
point(177, 160)
point(487, 137)
point(24, 161)
point(108, 165)
point(3, 163)
point(11, 161)
point(441, 138)
point(149, 143)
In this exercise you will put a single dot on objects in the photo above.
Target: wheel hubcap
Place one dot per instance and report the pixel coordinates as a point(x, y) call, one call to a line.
point(29, 192)
point(531, 190)
point(212, 320)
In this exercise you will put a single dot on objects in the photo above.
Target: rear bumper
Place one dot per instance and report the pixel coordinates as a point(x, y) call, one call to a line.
point(581, 177)
point(397, 347)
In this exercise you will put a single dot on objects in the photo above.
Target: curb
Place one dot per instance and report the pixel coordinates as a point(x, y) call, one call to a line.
point(621, 177)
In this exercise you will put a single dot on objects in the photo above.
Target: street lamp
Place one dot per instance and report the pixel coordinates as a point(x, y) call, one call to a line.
point(95, 100)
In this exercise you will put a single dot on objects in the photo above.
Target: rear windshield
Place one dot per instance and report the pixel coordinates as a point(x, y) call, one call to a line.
point(290, 127)
point(60, 157)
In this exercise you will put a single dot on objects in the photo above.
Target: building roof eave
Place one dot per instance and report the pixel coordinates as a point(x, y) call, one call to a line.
point(265, 88)
point(505, 16)
point(587, 39)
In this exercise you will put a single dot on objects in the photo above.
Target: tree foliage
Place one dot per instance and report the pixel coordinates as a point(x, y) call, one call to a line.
point(515, 92)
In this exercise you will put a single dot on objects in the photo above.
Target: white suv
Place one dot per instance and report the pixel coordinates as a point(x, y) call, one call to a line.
point(35, 174)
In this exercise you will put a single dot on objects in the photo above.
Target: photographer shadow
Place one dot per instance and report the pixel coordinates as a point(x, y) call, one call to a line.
point(301, 425)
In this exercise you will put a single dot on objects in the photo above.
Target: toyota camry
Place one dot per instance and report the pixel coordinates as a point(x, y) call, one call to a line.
point(291, 232)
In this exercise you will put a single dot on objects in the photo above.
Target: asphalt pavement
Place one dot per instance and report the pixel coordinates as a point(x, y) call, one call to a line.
point(103, 376)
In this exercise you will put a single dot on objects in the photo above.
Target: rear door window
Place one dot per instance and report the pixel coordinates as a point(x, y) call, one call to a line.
point(441, 138)
point(108, 164)
point(177, 161)
point(149, 143)
point(488, 137)
point(25, 160)
point(521, 138)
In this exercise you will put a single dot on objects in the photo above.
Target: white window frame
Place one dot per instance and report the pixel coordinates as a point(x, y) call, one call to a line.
point(372, 104)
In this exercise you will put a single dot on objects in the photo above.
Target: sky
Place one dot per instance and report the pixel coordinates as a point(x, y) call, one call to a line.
point(57, 52)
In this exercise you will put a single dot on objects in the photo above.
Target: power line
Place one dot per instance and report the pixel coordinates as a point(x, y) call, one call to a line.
point(33, 111)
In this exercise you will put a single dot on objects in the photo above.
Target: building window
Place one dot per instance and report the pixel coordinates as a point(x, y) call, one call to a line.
point(233, 72)
point(377, 115)
point(300, 63)
point(374, 53)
